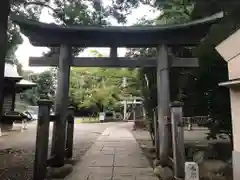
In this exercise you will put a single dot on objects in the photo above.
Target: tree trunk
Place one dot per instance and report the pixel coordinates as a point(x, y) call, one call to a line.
point(5, 10)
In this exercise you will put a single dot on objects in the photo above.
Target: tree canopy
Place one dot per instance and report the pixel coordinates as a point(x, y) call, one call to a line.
point(46, 86)
point(102, 88)
point(198, 88)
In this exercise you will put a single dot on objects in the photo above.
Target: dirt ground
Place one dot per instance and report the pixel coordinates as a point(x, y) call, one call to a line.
point(17, 149)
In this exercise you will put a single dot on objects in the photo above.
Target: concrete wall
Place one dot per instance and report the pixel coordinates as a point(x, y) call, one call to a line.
point(234, 67)
point(229, 49)
point(235, 110)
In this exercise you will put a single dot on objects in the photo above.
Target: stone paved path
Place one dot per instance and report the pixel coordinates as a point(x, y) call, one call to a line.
point(114, 156)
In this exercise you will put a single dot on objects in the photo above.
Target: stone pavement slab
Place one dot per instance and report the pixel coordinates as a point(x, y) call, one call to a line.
point(114, 156)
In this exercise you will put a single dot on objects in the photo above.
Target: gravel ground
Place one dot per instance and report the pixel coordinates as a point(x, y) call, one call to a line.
point(17, 149)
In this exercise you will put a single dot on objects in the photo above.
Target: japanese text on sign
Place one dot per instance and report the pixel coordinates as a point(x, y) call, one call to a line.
point(191, 171)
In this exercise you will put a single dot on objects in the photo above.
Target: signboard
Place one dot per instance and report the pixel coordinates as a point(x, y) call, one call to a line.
point(191, 171)
point(101, 116)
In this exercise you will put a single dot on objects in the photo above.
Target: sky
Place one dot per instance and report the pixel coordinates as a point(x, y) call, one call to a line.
point(25, 50)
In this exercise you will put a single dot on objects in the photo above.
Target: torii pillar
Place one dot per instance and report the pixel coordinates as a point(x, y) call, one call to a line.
point(163, 99)
point(61, 106)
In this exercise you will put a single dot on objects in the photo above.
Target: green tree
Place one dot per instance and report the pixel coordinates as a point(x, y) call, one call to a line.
point(173, 11)
point(198, 88)
point(101, 87)
point(46, 83)
point(213, 69)
point(14, 38)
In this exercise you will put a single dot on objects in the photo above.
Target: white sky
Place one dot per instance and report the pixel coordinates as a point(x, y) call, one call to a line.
point(25, 50)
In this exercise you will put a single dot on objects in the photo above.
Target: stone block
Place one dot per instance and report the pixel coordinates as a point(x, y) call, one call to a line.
point(164, 173)
point(199, 157)
point(108, 150)
point(59, 173)
point(130, 161)
point(126, 173)
point(156, 162)
point(148, 148)
point(101, 160)
point(92, 173)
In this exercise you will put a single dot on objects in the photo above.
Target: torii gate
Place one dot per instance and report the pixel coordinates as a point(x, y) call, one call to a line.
point(161, 37)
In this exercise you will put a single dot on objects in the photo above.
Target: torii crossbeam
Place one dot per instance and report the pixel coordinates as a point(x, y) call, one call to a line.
point(113, 62)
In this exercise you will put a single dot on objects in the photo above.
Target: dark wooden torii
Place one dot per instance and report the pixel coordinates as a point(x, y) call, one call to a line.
point(113, 62)
point(161, 37)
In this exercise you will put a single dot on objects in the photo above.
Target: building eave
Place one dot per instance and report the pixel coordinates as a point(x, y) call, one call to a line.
point(231, 83)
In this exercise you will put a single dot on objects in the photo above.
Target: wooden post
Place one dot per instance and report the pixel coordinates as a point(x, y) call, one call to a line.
point(163, 93)
point(70, 133)
point(41, 153)
point(156, 133)
point(13, 99)
point(178, 140)
point(61, 106)
point(5, 10)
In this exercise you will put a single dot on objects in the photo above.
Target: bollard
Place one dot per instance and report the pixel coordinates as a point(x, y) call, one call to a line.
point(178, 140)
point(41, 153)
point(189, 124)
point(70, 132)
point(156, 134)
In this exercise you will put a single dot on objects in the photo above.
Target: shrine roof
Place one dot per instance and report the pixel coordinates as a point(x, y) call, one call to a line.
point(10, 71)
point(24, 82)
point(43, 34)
point(23, 85)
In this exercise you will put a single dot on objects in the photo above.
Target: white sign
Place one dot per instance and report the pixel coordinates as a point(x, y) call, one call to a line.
point(191, 171)
point(101, 116)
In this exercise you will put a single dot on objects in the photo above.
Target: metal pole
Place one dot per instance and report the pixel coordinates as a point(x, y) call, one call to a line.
point(156, 134)
point(61, 106)
point(41, 153)
point(163, 93)
point(70, 133)
point(178, 140)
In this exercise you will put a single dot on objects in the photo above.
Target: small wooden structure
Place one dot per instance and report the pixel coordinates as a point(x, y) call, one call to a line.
point(136, 107)
point(11, 78)
point(230, 51)
point(133, 110)
point(14, 84)
point(160, 37)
